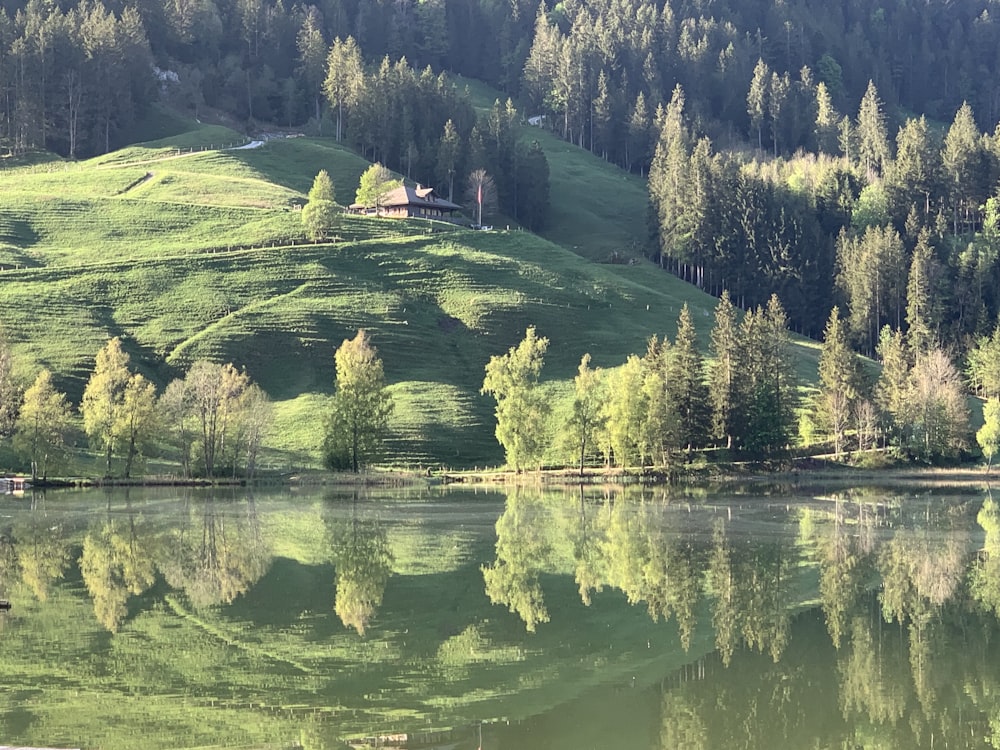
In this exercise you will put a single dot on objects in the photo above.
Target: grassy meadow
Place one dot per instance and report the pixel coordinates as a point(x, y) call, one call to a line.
point(189, 252)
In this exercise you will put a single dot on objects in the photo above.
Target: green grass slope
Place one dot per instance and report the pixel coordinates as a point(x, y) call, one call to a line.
point(201, 254)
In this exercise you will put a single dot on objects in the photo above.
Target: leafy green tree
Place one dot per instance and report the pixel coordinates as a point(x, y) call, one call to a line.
point(983, 365)
point(177, 416)
point(42, 425)
point(587, 419)
point(214, 394)
point(10, 391)
point(104, 397)
point(375, 182)
point(626, 411)
point(937, 414)
point(137, 420)
point(117, 561)
point(523, 551)
point(319, 215)
point(362, 561)
point(215, 556)
point(359, 418)
point(657, 410)
point(988, 436)
point(522, 410)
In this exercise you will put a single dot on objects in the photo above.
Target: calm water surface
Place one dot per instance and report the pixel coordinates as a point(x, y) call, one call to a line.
point(763, 618)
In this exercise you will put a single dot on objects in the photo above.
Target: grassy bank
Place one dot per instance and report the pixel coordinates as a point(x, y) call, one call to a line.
point(189, 254)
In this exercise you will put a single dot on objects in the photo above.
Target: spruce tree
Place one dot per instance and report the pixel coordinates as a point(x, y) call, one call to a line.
point(687, 385)
point(840, 379)
point(726, 370)
point(873, 139)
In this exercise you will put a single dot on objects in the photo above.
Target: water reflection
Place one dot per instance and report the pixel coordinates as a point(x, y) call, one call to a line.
point(118, 560)
point(650, 619)
point(214, 555)
point(359, 548)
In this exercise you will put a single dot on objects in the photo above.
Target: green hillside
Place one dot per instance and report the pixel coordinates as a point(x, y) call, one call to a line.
point(193, 255)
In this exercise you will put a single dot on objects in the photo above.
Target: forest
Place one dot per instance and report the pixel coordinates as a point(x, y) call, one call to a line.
point(835, 155)
point(790, 148)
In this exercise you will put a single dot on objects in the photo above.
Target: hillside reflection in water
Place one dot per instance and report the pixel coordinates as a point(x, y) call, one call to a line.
point(762, 618)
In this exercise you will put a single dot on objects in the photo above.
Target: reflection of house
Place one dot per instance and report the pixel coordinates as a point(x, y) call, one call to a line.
point(410, 202)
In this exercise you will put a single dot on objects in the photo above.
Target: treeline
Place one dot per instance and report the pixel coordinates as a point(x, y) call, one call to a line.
point(71, 80)
point(655, 410)
point(211, 423)
point(867, 222)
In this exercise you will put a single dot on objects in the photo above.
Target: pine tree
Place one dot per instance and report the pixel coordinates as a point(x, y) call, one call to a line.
point(449, 152)
point(757, 102)
point(344, 74)
point(840, 380)
point(687, 385)
point(726, 371)
point(873, 139)
point(827, 118)
point(922, 297)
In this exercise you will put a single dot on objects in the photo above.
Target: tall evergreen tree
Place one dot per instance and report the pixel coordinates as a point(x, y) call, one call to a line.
point(840, 380)
point(757, 99)
point(923, 295)
point(873, 138)
point(687, 385)
point(726, 371)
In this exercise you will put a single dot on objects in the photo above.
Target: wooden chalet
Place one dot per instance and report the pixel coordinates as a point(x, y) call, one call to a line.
point(410, 203)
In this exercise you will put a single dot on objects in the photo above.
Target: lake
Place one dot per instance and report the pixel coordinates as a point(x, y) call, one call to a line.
point(763, 616)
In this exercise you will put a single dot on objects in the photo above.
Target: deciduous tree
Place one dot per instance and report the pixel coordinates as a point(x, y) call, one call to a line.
point(320, 212)
point(375, 182)
point(521, 410)
point(988, 435)
point(104, 397)
point(42, 424)
point(359, 418)
point(587, 418)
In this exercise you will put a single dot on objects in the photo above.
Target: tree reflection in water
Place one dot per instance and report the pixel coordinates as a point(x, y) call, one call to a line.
point(117, 561)
point(43, 548)
point(362, 564)
point(218, 557)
